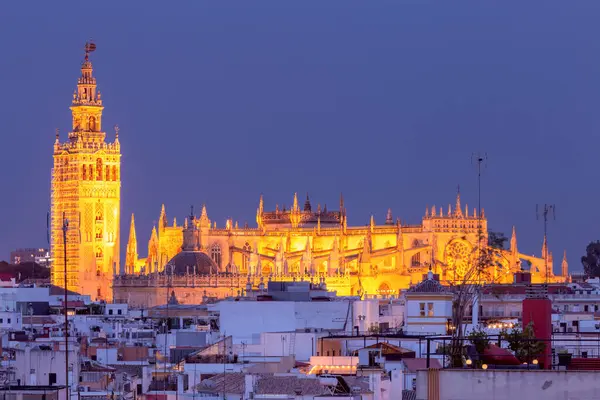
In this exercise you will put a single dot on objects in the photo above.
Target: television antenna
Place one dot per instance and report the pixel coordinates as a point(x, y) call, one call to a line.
point(546, 212)
point(479, 160)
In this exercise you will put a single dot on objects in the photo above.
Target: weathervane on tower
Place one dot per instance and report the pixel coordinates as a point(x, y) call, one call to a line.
point(90, 46)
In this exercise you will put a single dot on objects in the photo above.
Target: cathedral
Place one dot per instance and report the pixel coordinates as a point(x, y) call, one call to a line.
point(197, 260)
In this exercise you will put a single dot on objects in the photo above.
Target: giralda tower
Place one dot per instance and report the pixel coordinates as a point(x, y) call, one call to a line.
point(86, 190)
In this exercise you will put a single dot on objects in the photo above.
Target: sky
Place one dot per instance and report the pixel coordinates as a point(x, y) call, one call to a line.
point(385, 101)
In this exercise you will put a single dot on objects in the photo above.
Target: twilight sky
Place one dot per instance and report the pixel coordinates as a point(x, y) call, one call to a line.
point(384, 101)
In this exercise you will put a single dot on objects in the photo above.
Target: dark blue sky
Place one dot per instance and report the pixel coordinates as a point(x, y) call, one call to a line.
point(385, 101)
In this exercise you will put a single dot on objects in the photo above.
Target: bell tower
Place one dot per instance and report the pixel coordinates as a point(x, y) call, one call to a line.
point(86, 189)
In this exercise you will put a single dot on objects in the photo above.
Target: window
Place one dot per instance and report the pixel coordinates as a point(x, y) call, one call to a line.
point(110, 312)
point(430, 309)
point(586, 308)
point(566, 307)
point(119, 311)
point(52, 378)
point(415, 261)
point(215, 254)
point(1, 320)
point(421, 309)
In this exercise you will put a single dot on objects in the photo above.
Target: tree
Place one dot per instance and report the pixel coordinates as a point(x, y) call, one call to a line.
point(465, 291)
point(523, 343)
point(480, 339)
point(497, 240)
point(591, 260)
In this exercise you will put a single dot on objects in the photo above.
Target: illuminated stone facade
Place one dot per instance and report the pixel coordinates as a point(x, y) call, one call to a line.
point(301, 243)
point(86, 189)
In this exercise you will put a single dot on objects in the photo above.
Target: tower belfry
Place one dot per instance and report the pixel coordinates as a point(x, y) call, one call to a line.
point(86, 187)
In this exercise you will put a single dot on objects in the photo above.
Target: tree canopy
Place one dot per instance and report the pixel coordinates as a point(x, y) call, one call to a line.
point(497, 240)
point(591, 259)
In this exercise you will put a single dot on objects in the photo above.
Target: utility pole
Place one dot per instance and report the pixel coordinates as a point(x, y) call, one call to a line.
point(65, 227)
point(549, 210)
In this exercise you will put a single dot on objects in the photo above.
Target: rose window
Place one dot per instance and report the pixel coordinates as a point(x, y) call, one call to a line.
point(458, 257)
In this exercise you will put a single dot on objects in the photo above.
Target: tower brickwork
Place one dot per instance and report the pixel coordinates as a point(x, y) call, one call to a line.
point(86, 190)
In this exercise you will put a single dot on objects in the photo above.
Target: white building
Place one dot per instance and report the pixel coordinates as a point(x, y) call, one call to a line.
point(428, 307)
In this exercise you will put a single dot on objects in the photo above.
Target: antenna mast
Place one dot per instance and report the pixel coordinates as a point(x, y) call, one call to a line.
point(65, 227)
point(549, 210)
point(480, 162)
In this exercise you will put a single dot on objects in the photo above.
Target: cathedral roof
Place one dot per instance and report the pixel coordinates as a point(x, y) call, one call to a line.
point(185, 261)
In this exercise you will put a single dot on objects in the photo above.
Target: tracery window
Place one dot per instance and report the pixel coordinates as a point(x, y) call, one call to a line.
point(215, 254)
point(84, 172)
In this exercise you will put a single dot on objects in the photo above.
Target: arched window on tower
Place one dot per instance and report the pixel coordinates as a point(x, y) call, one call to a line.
point(246, 256)
point(99, 214)
point(84, 172)
point(99, 169)
point(99, 252)
point(114, 173)
point(215, 254)
point(99, 235)
point(93, 124)
point(107, 173)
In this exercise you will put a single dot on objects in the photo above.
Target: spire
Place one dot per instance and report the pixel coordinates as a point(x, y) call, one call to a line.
point(389, 219)
point(513, 241)
point(565, 266)
point(433, 211)
point(86, 84)
point(466, 211)
point(295, 206)
point(131, 257)
point(449, 210)
point(307, 206)
point(204, 214)
point(544, 247)
point(260, 210)
point(341, 203)
point(162, 219)
point(514, 252)
point(441, 211)
point(457, 208)
point(426, 211)
point(372, 223)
